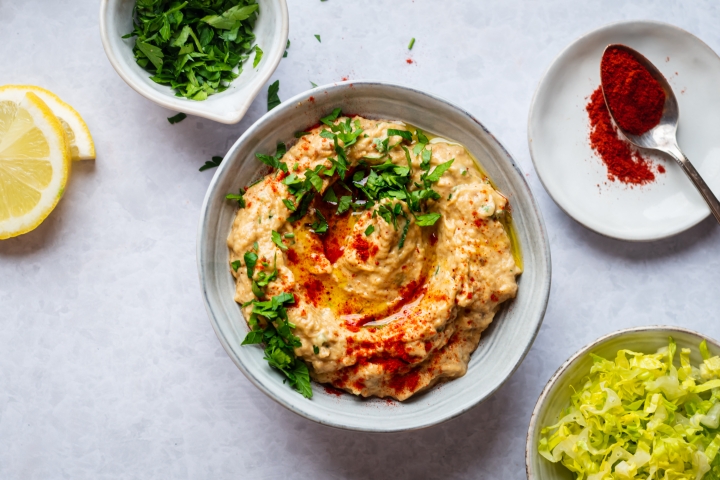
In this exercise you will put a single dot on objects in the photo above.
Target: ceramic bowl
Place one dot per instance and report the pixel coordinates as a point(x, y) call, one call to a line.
point(503, 345)
point(556, 395)
point(271, 31)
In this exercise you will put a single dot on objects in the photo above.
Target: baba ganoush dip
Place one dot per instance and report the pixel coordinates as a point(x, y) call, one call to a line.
point(397, 250)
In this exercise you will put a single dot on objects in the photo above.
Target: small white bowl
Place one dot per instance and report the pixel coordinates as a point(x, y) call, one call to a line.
point(555, 397)
point(503, 345)
point(271, 34)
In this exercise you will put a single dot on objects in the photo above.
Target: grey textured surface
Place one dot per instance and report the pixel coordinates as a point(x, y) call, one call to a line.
point(108, 365)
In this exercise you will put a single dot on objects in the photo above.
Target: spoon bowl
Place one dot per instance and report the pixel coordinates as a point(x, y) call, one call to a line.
point(663, 136)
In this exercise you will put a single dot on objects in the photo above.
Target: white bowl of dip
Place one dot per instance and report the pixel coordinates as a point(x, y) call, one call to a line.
point(271, 34)
point(503, 345)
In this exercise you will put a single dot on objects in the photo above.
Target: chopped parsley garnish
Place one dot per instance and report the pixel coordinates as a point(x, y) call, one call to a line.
point(271, 327)
point(274, 161)
point(374, 182)
point(177, 118)
point(412, 43)
point(286, 48)
point(239, 197)
point(196, 46)
point(277, 240)
point(427, 219)
point(214, 162)
point(344, 204)
point(314, 85)
point(251, 259)
point(318, 38)
point(370, 229)
point(235, 265)
point(320, 225)
point(273, 99)
point(330, 196)
point(316, 349)
point(258, 56)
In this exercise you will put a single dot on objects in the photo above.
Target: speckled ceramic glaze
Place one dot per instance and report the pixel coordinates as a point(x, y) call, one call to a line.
point(556, 395)
point(271, 33)
point(503, 345)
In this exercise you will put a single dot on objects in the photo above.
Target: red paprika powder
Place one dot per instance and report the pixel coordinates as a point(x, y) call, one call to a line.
point(623, 162)
point(637, 101)
point(634, 96)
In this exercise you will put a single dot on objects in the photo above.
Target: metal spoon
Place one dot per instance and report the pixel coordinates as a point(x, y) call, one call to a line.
point(663, 136)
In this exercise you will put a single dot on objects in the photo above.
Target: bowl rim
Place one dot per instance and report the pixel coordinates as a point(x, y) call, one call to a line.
point(535, 213)
point(531, 113)
point(530, 450)
point(191, 107)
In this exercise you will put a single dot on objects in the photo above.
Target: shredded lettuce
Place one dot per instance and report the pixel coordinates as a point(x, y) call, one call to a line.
point(641, 417)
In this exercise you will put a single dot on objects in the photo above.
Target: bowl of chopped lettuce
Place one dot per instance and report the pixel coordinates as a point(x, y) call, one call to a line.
point(639, 403)
point(208, 58)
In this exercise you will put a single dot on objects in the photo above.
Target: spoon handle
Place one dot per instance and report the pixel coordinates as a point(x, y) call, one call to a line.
point(700, 184)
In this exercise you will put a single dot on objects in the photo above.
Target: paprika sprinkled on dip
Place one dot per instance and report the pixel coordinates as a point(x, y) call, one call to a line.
point(395, 246)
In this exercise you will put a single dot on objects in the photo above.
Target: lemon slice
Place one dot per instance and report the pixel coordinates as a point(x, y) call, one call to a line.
point(79, 138)
point(34, 161)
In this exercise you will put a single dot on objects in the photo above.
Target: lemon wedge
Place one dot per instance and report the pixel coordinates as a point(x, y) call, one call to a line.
point(34, 161)
point(78, 134)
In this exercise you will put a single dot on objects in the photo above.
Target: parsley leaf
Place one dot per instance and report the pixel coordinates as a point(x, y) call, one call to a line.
point(177, 118)
point(316, 350)
point(318, 38)
point(277, 240)
point(427, 219)
point(330, 196)
point(289, 204)
point(332, 117)
point(407, 136)
point(320, 225)
point(239, 197)
point(273, 99)
point(421, 137)
point(370, 229)
point(314, 85)
point(258, 56)
point(235, 265)
point(214, 162)
point(437, 172)
point(286, 48)
point(344, 204)
point(251, 259)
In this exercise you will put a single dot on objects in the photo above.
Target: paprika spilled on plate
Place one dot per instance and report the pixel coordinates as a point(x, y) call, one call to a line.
point(637, 102)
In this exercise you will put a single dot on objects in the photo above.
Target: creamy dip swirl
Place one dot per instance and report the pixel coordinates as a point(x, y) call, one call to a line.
point(375, 319)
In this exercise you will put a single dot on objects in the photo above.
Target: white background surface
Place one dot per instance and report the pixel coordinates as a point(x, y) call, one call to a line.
point(108, 365)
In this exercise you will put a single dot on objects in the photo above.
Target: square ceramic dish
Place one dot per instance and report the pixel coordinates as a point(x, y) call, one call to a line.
point(271, 34)
point(503, 345)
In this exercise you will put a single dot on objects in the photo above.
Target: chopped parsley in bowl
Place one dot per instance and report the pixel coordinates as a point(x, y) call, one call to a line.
point(208, 58)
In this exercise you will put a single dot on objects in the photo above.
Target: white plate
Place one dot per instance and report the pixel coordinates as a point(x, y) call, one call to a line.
point(502, 346)
point(577, 179)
